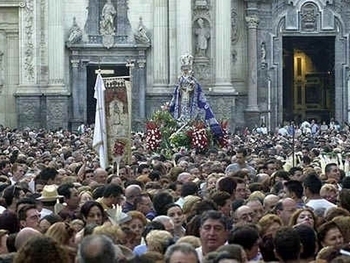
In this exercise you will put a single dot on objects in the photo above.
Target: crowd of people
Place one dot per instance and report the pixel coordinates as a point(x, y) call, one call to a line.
point(281, 196)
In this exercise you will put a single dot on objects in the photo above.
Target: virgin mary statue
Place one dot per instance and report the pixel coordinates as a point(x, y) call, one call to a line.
point(188, 102)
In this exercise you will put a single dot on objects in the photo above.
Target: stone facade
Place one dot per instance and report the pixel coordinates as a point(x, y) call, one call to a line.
point(49, 50)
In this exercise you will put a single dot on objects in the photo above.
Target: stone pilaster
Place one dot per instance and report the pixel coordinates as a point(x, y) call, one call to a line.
point(55, 46)
point(27, 43)
point(160, 45)
point(77, 108)
point(252, 113)
point(184, 28)
point(222, 46)
point(252, 24)
point(142, 84)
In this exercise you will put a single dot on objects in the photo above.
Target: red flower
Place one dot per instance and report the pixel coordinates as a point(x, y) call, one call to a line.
point(153, 136)
point(224, 139)
point(198, 135)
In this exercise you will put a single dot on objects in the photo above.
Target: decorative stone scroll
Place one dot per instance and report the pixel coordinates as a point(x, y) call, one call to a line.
point(118, 115)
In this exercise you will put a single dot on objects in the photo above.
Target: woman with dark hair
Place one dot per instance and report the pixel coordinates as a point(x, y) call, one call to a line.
point(329, 235)
point(174, 211)
point(92, 212)
point(303, 216)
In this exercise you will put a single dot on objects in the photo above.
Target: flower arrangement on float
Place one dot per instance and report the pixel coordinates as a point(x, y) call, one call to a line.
point(165, 135)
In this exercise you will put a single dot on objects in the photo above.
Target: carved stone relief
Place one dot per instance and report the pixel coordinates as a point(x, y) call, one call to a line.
point(234, 26)
point(202, 71)
point(2, 71)
point(309, 16)
point(56, 112)
point(43, 42)
point(29, 43)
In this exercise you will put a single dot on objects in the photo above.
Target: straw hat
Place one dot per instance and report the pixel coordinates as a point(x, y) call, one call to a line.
point(49, 193)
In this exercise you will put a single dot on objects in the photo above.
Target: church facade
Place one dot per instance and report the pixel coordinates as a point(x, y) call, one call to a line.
point(258, 61)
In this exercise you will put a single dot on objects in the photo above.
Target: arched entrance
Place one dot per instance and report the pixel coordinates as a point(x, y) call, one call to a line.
point(309, 72)
point(308, 78)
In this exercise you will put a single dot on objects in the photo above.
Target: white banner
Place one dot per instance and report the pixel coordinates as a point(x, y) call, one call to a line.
point(100, 132)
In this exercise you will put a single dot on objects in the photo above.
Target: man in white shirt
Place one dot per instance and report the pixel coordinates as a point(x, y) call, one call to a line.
point(312, 187)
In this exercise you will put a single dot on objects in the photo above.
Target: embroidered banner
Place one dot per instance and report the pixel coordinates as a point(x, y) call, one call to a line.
point(118, 116)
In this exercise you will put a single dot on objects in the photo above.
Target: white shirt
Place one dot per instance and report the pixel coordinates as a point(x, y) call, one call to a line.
point(320, 206)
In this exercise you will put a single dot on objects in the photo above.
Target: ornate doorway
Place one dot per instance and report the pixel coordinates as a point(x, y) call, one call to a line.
point(308, 78)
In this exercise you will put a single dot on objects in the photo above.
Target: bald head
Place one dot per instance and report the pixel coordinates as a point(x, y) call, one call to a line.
point(270, 201)
point(24, 235)
point(97, 248)
point(243, 215)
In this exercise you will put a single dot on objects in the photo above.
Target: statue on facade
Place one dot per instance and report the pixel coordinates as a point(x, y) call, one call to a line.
point(188, 102)
point(141, 35)
point(203, 34)
point(107, 21)
point(75, 33)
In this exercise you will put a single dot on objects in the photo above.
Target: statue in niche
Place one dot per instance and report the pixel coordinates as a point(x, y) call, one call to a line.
point(107, 21)
point(188, 102)
point(203, 35)
point(75, 33)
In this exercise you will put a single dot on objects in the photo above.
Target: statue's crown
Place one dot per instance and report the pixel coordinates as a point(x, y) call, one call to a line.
point(186, 61)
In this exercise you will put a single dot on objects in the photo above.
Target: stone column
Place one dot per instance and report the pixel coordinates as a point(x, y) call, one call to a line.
point(55, 46)
point(160, 45)
point(77, 110)
point(184, 29)
point(142, 84)
point(252, 23)
point(173, 59)
point(223, 46)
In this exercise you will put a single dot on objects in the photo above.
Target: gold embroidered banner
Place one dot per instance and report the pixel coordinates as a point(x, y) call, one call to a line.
point(118, 118)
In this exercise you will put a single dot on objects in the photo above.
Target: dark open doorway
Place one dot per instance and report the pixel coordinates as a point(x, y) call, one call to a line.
point(107, 71)
point(308, 78)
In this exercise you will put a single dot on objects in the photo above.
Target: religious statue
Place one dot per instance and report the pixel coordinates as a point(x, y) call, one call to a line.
point(203, 35)
point(75, 33)
point(189, 102)
point(141, 35)
point(107, 21)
